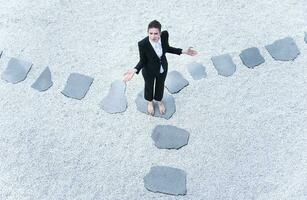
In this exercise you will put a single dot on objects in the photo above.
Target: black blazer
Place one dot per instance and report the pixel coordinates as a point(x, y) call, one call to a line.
point(149, 60)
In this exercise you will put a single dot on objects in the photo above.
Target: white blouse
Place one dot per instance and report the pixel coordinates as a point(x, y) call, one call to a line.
point(158, 49)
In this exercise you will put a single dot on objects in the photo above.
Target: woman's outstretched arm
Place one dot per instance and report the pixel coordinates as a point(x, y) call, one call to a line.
point(130, 73)
point(190, 51)
point(179, 51)
point(170, 49)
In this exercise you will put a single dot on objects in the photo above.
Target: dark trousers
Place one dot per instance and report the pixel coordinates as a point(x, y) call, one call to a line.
point(154, 92)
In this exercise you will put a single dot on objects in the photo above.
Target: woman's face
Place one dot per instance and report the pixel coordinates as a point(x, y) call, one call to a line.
point(154, 34)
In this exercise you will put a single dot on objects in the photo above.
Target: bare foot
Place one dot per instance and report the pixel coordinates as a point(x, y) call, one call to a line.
point(150, 108)
point(161, 107)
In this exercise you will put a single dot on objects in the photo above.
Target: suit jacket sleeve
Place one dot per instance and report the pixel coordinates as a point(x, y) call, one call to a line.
point(142, 61)
point(170, 49)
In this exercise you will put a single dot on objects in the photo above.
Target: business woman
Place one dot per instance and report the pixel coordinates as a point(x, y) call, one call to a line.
point(153, 64)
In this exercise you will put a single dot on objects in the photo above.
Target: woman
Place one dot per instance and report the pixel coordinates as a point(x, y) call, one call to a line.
point(154, 64)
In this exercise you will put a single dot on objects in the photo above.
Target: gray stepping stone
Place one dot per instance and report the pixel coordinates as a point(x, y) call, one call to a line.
point(166, 180)
point(251, 57)
point(305, 37)
point(115, 101)
point(44, 81)
point(168, 100)
point(16, 70)
point(175, 82)
point(77, 85)
point(283, 49)
point(196, 70)
point(224, 65)
point(169, 137)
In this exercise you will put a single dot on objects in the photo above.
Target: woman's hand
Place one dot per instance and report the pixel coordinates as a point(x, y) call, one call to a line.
point(129, 74)
point(190, 51)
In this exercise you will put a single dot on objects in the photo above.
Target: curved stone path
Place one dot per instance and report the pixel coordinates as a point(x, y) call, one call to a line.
point(161, 179)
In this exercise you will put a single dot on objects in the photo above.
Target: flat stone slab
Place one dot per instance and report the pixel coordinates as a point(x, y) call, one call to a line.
point(196, 70)
point(166, 180)
point(77, 86)
point(168, 100)
point(283, 49)
point(169, 137)
point(16, 71)
point(115, 101)
point(224, 65)
point(44, 81)
point(305, 37)
point(175, 82)
point(251, 57)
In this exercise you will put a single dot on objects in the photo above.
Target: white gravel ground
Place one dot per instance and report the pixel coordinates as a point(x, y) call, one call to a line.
point(248, 131)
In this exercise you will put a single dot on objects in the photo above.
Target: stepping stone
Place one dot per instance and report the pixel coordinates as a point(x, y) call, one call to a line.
point(169, 137)
point(44, 81)
point(224, 65)
point(283, 49)
point(166, 180)
point(115, 101)
point(168, 100)
point(196, 70)
point(16, 70)
point(305, 37)
point(251, 57)
point(175, 82)
point(77, 85)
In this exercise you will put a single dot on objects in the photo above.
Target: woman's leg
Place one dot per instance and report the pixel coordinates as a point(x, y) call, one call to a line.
point(159, 87)
point(148, 92)
point(149, 85)
point(159, 90)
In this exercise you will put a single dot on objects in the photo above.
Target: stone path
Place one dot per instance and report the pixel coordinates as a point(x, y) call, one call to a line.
point(251, 57)
point(161, 179)
point(44, 81)
point(115, 101)
point(197, 70)
point(169, 103)
point(16, 71)
point(283, 49)
point(77, 85)
point(224, 65)
point(175, 82)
